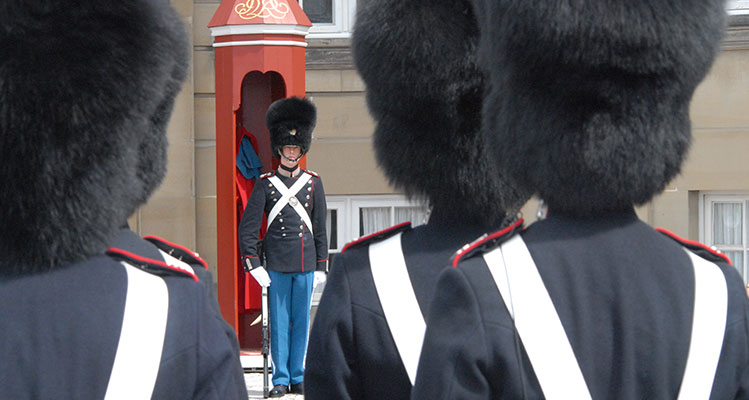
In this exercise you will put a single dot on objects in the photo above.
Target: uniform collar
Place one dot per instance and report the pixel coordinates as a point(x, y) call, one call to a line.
point(283, 172)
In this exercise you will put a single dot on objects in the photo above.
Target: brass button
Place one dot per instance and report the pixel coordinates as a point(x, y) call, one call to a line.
point(300, 234)
point(283, 235)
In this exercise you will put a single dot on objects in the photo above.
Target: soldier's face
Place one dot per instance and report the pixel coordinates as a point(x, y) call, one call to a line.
point(290, 153)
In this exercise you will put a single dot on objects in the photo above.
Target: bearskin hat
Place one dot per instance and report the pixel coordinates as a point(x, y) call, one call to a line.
point(589, 100)
point(290, 122)
point(425, 90)
point(86, 92)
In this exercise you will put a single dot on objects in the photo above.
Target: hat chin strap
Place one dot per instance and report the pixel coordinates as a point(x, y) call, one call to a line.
point(291, 159)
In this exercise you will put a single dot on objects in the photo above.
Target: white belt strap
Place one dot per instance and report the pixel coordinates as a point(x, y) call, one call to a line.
point(708, 329)
point(398, 301)
point(138, 356)
point(286, 195)
point(536, 321)
point(547, 345)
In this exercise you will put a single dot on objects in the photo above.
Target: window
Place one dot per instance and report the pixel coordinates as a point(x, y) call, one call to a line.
point(738, 7)
point(330, 18)
point(351, 217)
point(724, 226)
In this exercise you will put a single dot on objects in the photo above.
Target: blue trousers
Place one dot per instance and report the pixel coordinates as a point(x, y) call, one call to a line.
point(289, 298)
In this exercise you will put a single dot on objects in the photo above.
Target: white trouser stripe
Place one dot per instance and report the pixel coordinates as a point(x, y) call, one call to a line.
point(536, 321)
point(286, 194)
point(708, 329)
point(398, 300)
point(138, 356)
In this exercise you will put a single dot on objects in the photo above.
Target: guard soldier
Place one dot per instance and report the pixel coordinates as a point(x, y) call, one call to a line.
point(295, 244)
point(589, 107)
point(368, 328)
point(90, 310)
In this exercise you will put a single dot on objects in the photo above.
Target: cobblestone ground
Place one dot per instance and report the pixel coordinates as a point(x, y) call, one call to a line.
point(254, 383)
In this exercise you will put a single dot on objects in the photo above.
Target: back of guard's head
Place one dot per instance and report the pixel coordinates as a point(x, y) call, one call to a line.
point(589, 100)
point(86, 92)
point(425, 90)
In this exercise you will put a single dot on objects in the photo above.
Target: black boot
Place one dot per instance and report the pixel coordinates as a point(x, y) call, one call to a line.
point(279, 391)
point(297, 388)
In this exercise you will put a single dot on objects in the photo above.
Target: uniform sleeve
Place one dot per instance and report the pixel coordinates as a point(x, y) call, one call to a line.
point(249, 226)
point(320, 210)
point(453, 357)
point(331, 365)
point(220, 374)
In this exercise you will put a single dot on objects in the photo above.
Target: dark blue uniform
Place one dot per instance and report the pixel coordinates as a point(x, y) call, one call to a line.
point(351, 353)
point(60, 331)
point(624, 294)
point(289, 244)
point(292, 253)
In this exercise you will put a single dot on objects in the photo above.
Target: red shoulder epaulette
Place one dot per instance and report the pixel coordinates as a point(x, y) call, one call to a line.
point(698, 248)
point(155, 267)
point(377, 236)
point(313, 173)
point(267, 174)
point(487, 241)
point(177, 251)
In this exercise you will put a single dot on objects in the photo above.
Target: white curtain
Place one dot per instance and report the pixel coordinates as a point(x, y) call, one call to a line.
point(727, 224)
point(417, 215)
point(373, 219)
point(331, 228)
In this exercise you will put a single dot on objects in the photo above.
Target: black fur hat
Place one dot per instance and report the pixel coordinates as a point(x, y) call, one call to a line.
point(290, 122)
point(589, 101)
point(86, 92)
point(424, 90)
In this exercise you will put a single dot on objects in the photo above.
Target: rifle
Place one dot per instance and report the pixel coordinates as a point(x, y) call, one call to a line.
point(264, 312)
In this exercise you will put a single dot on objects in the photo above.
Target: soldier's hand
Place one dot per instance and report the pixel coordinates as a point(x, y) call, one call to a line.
point(261, 276)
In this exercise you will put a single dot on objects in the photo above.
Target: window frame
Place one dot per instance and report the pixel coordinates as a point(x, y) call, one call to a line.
point(707, 200)
point(344, 15)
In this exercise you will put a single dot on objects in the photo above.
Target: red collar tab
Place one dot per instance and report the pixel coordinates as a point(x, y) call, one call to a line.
point(149, 265)
point(700, 249)
point(377, 236)
point(177, 251)
point(487, 241)
point(313, 173)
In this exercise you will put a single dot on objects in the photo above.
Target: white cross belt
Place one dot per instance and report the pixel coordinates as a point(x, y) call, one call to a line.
point(288, 196)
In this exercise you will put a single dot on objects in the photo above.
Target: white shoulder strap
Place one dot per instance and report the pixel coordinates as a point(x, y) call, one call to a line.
point(547, 345)
point(138, 356)
point(708, 329)
point(398, 300)
point(536, 321)
point(286, 195)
